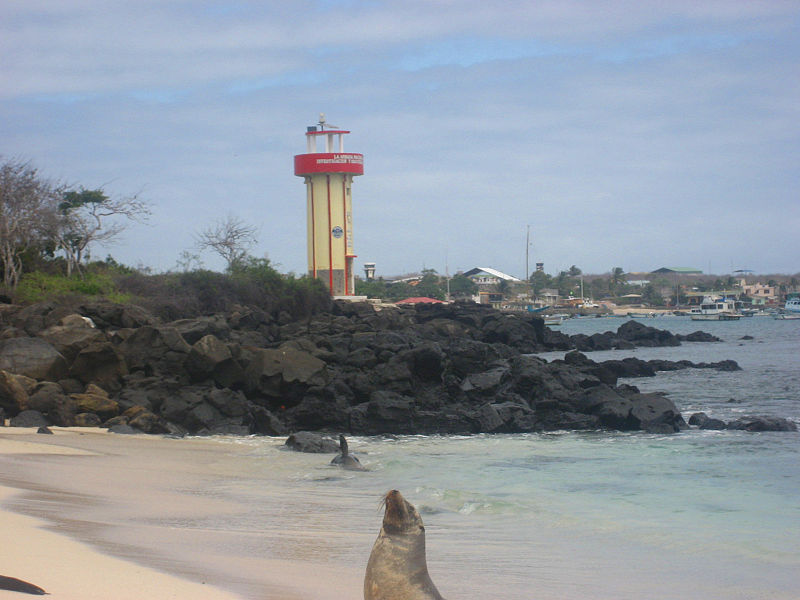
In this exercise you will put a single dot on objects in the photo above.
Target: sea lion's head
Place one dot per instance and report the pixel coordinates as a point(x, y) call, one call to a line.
point(400, 517)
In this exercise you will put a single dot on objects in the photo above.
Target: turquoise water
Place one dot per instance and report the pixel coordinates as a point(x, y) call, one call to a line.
point(695, 515)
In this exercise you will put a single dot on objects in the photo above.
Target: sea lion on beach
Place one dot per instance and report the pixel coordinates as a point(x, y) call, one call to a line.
point(397, 569)
point(13, 584)
point(345, 459)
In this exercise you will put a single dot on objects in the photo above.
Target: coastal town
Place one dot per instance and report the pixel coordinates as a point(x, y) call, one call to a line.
point(670, 290)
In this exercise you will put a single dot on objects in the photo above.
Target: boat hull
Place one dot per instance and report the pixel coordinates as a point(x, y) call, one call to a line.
point(717, 317)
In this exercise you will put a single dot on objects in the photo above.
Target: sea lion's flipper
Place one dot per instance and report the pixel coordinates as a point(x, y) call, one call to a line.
point(17, 585)
point(343, 445)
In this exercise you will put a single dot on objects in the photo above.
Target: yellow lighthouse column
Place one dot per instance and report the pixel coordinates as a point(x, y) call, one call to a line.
point(329, 178)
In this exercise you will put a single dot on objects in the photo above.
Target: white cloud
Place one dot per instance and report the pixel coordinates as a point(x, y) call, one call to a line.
point(649, 133)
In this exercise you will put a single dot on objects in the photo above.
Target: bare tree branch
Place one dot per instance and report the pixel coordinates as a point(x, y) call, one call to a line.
point(27, 205)
point(84, 220)
point(231, 238)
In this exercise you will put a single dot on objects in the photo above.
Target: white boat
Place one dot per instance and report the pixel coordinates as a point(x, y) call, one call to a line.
point(712, 309)
point(642, 315)
point(792, 305)
point(552, 320)
point(787, 317)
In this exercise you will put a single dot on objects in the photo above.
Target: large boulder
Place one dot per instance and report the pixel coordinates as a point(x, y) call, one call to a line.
point(206, 411)
point(762, 423)
point(426, 361)
point(49, 399)
point(96, 401)
point(29, 418)
point(512, 330)
point(308, 441)
point(88, 420)
point(100, 363)
point(612, 410)
point(271, 369)
point(35, 317)
point(108, 315)
point(13, 395)
point(72, 335)
point(193, 330)
point(386, 412)
point(32, 357)
point(155, 350)
point(702, 421)
point(642, 335)
point(486, 383)
point(145, 421)
point(211, 358)
point(319, 410)
point(655, 413)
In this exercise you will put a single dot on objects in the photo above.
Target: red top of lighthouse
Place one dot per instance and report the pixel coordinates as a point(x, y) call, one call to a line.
point(329, 161)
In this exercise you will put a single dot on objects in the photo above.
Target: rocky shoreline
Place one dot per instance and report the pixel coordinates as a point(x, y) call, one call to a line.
point(460, 368)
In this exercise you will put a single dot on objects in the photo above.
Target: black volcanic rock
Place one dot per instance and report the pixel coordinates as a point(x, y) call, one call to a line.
point(761, 423)
point(703, 421)
point(29, 418)
point(447, 368)
point(308, 441)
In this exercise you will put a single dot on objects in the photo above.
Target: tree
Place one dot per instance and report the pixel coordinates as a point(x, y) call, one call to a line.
point(27, 203)
point(188, 262)
point(617, 278)
point(651, 295)
point(503, 287)
point(83, 219)
point(429, 286)
point(574, 271)
point(462, 286)
point(375, 288)
point(540, 280)
point(231, 238)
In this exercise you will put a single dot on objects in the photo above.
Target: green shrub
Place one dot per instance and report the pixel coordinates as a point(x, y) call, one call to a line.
point(40, 286)
point(251, 283)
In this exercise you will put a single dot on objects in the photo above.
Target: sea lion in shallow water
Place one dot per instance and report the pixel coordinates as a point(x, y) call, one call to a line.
point(13, 584)
point(345, 459)
point(397, 568)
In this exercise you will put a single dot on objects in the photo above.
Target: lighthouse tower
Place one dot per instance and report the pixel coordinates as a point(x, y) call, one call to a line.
point(328, 173)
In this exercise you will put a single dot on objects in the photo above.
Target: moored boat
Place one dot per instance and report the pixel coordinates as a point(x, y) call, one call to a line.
point(711, 309)
point(792, 305)
point(787, 317)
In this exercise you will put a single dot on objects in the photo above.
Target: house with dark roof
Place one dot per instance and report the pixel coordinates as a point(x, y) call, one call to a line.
point(679, 270)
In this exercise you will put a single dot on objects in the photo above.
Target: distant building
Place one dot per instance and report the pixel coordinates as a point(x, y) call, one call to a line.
point(693, 298)
point(369, 271)
point(410, 278)
point(679, 270)
point(489, 276)
point(549, 296)
point(420, 300)
point(759, 290)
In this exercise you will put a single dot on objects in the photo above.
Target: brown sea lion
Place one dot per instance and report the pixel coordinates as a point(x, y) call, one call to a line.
point(397, 568)
point(13, 584)
point(345, 459)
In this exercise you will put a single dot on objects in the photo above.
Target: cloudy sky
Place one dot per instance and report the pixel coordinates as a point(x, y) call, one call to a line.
point(624, 133)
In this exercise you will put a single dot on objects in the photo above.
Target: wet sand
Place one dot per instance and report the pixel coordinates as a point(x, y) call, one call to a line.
point(98, 515)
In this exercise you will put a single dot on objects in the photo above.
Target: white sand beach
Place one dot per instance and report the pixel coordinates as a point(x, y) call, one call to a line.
point(86, 514)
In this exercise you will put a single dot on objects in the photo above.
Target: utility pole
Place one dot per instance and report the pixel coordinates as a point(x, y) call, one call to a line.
point(447, 274)
point(527, 268)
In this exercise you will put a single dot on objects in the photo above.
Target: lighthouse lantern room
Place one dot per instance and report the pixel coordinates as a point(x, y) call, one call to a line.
point(328, 174)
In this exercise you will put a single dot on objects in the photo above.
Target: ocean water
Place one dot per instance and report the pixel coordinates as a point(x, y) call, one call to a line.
point(593, 516)
point(696, 515)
